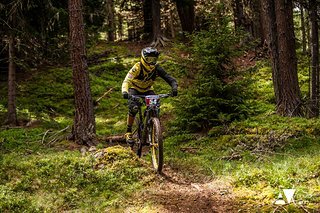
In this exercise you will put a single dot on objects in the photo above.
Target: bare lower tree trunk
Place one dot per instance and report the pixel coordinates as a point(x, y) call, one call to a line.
point(120, 27)
point(271, 37)
point(279, 16)
point(156, 21)
point(186, 14)
point(12, 112)
point(147, 19)
point(314, 108)
point(110, 19)
point(158, 38)
point(289, 102)
point(263, 23)
point(173, 35)
point(84, 121)
point(239, 17)
point(303, 30)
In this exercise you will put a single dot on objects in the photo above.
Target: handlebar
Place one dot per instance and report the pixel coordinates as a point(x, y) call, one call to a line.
point(143, 96)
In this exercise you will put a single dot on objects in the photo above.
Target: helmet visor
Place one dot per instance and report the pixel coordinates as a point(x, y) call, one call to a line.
point(151, 59)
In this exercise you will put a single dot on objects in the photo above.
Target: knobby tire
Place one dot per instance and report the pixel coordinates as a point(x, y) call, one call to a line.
point(137, 134)
point(156, 145)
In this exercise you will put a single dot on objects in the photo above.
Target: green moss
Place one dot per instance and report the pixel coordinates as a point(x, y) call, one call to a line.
point(67, 179)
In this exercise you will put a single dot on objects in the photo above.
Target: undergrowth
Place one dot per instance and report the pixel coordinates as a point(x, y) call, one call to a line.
point(35, 178)
point(261, 154)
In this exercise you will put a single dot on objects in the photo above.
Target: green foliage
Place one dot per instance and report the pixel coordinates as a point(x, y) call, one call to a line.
point(214, 103)
point(213, 49)
point(68, 181)
point(217, 97)
point(51, 92)
point(11, 201)
point(260, 155)
point(20, 140)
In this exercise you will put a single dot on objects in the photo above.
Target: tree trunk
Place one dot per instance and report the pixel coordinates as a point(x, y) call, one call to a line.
point(256, 26)
point(157, 36)
point(281, 39)
point(238, 14)
point(264, 23)
point(303, 30)
point(314, 108)
point(120, 27)
point(147, 18)
point(172, 30)
point(156, 21)
point(186, 14)
point(12, 111)
point(289, 91)
point(84, 121)
point(110, 19)
point(130, 30)
point(308, 36)
point(271, 39)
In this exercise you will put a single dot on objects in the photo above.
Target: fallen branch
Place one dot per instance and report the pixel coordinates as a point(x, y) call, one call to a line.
point(44, 135)
point(191, 150)
point(56, 137)
point(115, 138)
point(104, 95)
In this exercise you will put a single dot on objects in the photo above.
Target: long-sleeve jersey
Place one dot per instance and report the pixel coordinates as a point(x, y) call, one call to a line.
point(142, 80)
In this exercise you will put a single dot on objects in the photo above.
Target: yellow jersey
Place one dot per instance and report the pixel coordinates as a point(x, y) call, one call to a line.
point(142, 79)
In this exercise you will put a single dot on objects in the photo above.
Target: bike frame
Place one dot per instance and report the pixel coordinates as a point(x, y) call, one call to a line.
point(151, 111)
point(149, 128)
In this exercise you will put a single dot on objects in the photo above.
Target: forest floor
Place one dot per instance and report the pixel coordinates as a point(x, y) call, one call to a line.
point(174, 192)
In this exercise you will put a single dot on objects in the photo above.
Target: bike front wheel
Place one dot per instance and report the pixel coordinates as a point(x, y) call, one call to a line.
point(156, 144)
point(137, 136)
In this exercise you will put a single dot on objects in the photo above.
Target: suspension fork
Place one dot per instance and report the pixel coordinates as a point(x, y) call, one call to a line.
point(146, 125)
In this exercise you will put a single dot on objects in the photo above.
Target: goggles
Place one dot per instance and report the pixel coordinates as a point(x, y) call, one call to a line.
point(151, 60)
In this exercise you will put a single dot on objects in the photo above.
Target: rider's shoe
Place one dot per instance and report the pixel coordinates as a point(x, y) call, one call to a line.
point(129, 138)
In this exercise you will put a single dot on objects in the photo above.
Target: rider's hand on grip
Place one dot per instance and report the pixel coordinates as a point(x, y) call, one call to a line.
point(125, 95)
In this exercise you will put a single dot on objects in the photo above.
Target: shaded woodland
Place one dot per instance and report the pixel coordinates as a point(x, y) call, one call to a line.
point(43, 33)
point(247, 109)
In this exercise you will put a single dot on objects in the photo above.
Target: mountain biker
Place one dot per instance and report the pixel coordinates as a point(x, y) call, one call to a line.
point(139, 81)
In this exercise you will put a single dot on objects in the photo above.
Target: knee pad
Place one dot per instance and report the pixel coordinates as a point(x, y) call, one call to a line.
point(133, 107)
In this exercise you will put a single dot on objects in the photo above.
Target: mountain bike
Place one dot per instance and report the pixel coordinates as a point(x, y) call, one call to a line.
point(147, 129)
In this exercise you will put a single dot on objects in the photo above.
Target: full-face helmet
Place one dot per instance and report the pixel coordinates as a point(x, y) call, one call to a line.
point(150, 55)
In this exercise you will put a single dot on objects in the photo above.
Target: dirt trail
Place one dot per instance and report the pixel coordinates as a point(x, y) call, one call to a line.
point(176, 193)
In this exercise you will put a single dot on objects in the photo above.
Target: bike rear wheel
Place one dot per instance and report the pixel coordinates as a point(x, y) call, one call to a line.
point(156, 144)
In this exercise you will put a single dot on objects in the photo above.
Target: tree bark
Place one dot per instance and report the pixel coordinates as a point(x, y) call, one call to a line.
point(147, 18)
point(12, 111)
point(156, 20)
point(120, 27)
point(289, 91)
point(264, 22)
point(281, 40)
point(303, 30)
point(84, 121)
point(172, 30)
point(186, 14)
point(238, 14)
point(110, 19)
point(271, 38)
point(314, 108)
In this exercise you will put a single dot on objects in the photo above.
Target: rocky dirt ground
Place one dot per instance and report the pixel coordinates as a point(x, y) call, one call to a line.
point(173, 192)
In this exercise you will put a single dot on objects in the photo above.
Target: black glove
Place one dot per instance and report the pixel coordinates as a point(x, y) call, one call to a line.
point(174, 92)
point(125, 95)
